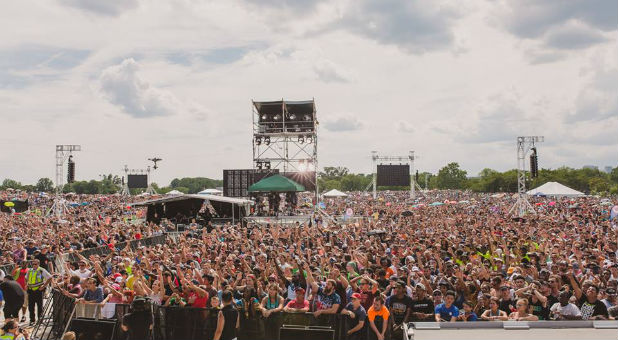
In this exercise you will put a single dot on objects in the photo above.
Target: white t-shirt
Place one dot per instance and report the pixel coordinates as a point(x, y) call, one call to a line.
point(570, 309)
point(82, 274)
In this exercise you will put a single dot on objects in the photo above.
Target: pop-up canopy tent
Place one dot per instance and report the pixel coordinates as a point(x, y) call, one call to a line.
point(335, 193)
point(210, 192)
point(555, 189)
point(174, 192)
point(276, 183)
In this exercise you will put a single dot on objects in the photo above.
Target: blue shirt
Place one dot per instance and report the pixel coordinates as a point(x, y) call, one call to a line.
point(96, 296)
point(447, 313)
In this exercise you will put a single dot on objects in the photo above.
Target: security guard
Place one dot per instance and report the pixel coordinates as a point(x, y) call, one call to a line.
point(11, 331)
point(37, 279)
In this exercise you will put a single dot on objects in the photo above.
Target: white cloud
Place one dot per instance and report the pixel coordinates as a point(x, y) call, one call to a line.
point(343, 123)
point(121, 85)
point(106, 7)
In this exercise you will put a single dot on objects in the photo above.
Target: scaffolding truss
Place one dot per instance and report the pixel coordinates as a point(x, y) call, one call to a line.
point(522, 206)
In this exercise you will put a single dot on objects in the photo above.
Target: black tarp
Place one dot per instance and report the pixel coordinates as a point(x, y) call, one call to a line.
point(20, 206)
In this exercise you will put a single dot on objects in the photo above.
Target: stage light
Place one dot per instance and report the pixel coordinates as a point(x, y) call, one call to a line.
point(258, 165)
point(296, 128)
point(277, 117)
point(307, 117)
point(292, 117)
point(258, 140)
point(267, 165)
point(309, 139)
point(267, 140)
point(264, 117)
point(301, 140)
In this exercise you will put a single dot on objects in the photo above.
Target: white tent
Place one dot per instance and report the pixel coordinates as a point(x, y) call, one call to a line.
point(335, 193)
point(210, 192)
point(174, 192)
point(555, 189)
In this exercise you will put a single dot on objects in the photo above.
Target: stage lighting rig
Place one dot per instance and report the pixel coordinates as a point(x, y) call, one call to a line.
point(155, 160)
point(267, 140)
point(258, 140)
point(301, 139)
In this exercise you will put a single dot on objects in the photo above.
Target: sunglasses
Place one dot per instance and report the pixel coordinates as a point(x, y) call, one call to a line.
point(437, 294)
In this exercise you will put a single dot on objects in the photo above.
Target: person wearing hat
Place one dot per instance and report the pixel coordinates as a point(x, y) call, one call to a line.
point(357, 315)
point(610, 298)
point(422, 307)
point(299, 304)
point(507, 304)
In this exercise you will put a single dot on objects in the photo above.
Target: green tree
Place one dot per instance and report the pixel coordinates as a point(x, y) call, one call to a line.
point(9, 183)
point(451, 177)
point(45, 184)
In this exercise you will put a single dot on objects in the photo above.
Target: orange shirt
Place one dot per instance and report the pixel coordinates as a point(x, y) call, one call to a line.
point(383, 312)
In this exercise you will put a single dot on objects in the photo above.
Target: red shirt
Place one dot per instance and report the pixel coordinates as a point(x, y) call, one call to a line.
point(296, 305)
point(199, 302)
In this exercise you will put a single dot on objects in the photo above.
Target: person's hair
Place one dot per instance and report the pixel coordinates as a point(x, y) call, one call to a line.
point(74, 280)
point(68, 336)
point(468, 303)
point(596, 288)
point(524, 301)
point(495, 300)
point(450, 292)
point(10, 325)
point(379, 298)
point(226, 296)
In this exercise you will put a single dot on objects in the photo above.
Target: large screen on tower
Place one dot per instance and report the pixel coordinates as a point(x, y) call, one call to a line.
point(137, 181)
point(236, 182)
point(393, 175)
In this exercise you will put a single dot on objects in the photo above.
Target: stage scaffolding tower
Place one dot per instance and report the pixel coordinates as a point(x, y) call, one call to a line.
point(62, 153)
point(524, 145)
point(285, 137)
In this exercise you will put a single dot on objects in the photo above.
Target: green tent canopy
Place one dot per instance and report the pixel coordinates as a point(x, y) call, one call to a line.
point(276, 183)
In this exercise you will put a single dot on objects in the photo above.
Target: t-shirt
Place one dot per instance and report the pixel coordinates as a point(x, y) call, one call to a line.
point(398, 306)
point(359, 315)
point(12, 292)
point(592, 309)
point(327, 301)
point(96, 295)
point(508, 306)
point(424, 306)
point(296, 305)
point(570, 309)
point(383, 313)
point(446, 313)
point(366, 298)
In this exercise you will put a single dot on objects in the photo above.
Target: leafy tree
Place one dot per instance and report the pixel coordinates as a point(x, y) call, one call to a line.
point(45, 184)
point(451, 177)
point(9, 183)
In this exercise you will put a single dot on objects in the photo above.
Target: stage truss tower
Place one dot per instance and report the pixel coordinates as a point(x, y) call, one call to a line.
point(524, 144)
point(62, 153)
point(285, 137)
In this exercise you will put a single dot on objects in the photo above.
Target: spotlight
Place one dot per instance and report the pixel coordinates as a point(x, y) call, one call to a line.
point(264, 117)
point(292, 117)
point(307, 117)
point(309, 139)
point(258, 140)
point(267, 140)
point(258, 165)
point(267, 165)
point(301, 139)
point(296, 128)
point(277, 117)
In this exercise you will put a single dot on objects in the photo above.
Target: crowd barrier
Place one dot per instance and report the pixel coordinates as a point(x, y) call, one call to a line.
point(198, 323)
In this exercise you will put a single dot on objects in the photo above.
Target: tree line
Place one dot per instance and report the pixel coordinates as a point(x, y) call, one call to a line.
point(451, 176)
point(110, 184)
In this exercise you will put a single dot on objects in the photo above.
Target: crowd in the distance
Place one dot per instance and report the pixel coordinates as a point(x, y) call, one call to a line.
point(392, 261)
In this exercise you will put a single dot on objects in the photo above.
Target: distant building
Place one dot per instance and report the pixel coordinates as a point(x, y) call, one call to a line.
point(608, 169)
point(593, 167)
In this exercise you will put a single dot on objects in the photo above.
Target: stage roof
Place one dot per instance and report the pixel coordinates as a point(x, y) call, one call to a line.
point(297, 107)
point(214, 198)
point(276, 183)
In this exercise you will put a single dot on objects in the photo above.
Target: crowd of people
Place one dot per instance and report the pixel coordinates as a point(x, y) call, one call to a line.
point(393, 260)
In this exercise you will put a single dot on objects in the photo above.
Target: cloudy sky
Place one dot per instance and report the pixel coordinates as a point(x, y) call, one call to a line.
point(452, 80)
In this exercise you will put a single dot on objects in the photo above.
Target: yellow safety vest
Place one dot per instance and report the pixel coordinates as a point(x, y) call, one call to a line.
point(7, 337)
point(35, 279)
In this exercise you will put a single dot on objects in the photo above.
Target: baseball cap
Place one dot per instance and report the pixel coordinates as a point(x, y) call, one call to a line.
point(299, 289)
point(421, 286)
point(355, 296)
